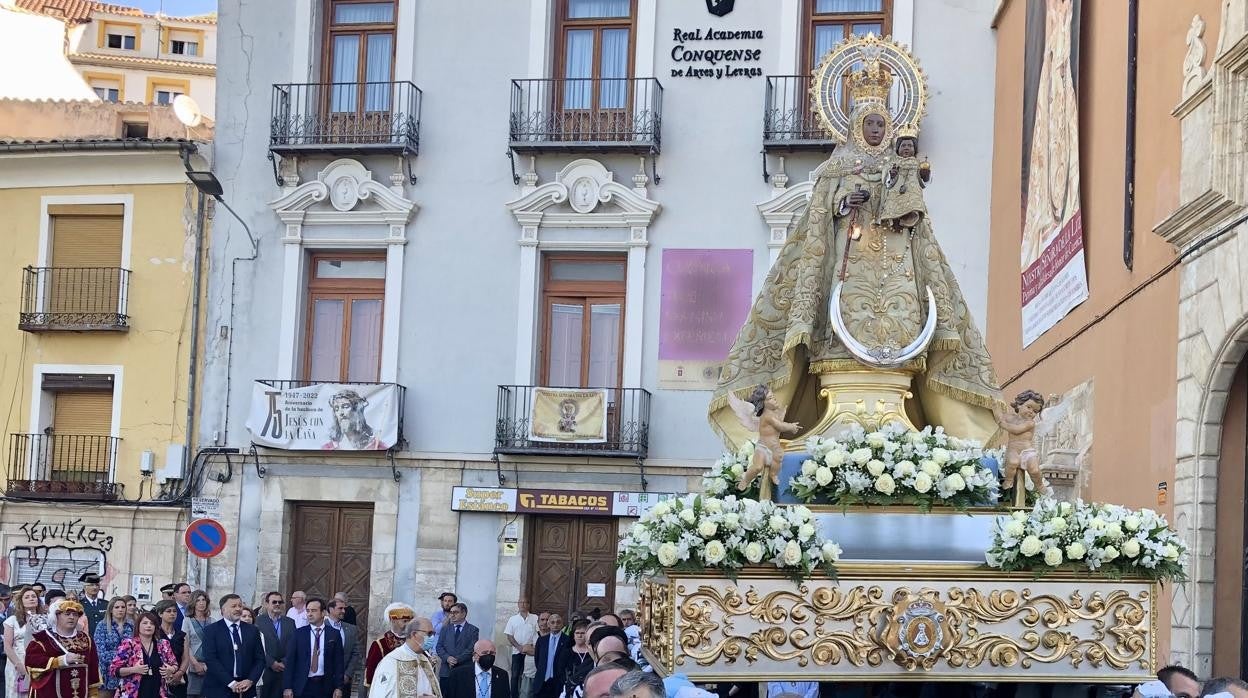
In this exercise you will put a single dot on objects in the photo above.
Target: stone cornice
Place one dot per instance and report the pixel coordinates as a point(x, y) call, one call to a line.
point(1195, 217)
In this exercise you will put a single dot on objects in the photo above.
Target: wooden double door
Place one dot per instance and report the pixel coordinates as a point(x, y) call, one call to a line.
point(332, 552)
point(568, 557)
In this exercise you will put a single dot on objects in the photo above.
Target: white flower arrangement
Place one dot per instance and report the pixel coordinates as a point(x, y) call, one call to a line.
point(697, 532)
point(724, 476)
point(896, 465)
point(1106, 539)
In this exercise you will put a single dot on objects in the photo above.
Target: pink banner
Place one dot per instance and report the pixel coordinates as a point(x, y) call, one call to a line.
point(705, 300)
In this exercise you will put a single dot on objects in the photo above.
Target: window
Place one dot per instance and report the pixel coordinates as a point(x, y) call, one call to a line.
point(110, 87)
point(108, 94)
point(76, 445)
point(126, 36)
point(134, 129)
point(594, 52)
point(85, 277)
point(166, 97)
point(184, 48)
point(165, 90)
point(359, 58)
point(122, 41)
point(346, 293)
point(831, 21)
point(583, 304)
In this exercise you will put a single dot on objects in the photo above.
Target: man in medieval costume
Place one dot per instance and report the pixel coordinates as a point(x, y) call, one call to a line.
point(61, 660)
point(409, 671)
point(398, 615)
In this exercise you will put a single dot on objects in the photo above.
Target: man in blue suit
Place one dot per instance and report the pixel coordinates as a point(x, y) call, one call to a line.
point(314, 663)
point(455, 643)
point(232, 653)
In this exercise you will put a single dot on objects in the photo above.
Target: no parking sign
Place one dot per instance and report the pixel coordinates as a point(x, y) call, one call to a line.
point(205, 538)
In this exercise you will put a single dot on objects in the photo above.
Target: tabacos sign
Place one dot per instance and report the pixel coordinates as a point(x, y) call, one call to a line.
point(531, 501)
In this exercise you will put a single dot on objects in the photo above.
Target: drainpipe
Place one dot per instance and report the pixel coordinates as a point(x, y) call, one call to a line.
point(1128, 203)
point(192, 384)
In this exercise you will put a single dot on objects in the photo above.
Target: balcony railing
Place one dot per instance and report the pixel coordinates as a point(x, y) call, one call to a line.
point(622, 114)
point(628, 425)
point(62, 466)
point(74, 298)
point(401, 441)
point(789, 122)
point(346, 118)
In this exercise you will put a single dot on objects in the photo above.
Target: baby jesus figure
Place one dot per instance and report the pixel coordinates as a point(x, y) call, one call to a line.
point(904, 182)
point(762, 413)
point(1021, 454)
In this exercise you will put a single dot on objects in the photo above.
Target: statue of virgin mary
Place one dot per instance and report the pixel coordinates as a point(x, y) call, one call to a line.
point(860, 319)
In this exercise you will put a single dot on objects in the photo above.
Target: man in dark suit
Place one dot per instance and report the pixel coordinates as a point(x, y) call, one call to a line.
point(182, 597)
point(549, 651)
point(278, 631)
point(351, 659)
point(480, 678)
point(232, 653)
point(455, 643)
point(314, 658)
point(94, 602)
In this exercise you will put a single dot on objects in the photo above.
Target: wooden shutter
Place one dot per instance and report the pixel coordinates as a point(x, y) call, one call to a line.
point(87, 236)
point(83, 412)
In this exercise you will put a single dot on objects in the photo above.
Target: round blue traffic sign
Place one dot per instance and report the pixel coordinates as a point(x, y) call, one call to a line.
point(205, 538)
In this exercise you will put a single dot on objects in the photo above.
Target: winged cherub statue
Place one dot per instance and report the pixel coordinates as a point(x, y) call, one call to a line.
point(761, 414)
point(1027, 422)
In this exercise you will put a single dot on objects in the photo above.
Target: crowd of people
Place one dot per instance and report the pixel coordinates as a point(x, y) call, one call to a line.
point(65, 645)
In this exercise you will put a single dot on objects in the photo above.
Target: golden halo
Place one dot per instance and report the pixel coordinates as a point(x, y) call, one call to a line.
point(908, 100)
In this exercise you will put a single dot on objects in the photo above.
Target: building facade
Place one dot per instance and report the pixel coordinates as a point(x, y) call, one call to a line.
point(401, 258)
point(126, 55)
point(1112, 360)
point(102, 242)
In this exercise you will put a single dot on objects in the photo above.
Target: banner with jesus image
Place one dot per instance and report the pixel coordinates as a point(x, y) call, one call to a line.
point(325, 417)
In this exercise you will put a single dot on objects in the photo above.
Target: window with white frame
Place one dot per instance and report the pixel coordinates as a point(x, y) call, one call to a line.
point(184, 48)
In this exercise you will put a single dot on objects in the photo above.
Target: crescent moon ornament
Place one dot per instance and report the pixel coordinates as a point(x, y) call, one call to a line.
point(883, 356)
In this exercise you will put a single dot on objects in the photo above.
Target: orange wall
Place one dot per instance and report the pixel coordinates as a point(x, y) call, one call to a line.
point(1131, 354)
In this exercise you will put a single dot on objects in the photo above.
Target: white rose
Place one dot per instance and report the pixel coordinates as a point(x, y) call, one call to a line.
point(823, 476)
point(667, 554)
point(923, 483)
point(1113, 531)
point(954, 483)
point(737, 470)
point(715, 553)
point(1097, 523)
point(805, 532)
point(904, 468)
point(1058, 524)
point(1014, 529)
point(661, 509)
point(778, 523)
point(808, 467)
point(1053, 557)
point(1076, 551)
point(641, 536)
point(1019, 516)
point(712, 505)
point(1131, 548)
point(792, 553)
point(861, 456)
point(1110, 552)
point(930, 467)
point(885, 484)
point(875, 467)
point(1065, 508)
point(1031, 545)
point(708, 529)
point(835, 458)
point(831, 551)
point(715, 486)
point(915, 437)
point(876, 440)
point(746, 451)
point(732, 520)
point(967, 472)
point(754, 552)
point(1131, 523)
point(687, 515)
point(940, 455)
point(1171, 552)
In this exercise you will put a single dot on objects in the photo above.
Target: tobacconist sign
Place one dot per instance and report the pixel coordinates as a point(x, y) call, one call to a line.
point(543, 501)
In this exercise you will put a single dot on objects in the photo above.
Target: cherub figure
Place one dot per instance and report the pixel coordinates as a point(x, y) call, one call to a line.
point(761, 414)
point(1026, 423)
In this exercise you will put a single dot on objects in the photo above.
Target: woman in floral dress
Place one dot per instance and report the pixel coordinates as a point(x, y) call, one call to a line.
point(144, 663)
point(109, 634)
point(18, 628)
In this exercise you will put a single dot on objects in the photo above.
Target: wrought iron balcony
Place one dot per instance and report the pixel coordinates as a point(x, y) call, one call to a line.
point(627, 428)
point(789, 122)
point(608, 114)
point(361, 388)
point(74, 298)
point(349, 118)
point(62, 466)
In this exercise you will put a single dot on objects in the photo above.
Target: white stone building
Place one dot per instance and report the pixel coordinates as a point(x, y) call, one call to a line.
point(443, 216)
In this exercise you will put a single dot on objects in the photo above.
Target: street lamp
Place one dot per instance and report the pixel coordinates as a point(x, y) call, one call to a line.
point(208, 184)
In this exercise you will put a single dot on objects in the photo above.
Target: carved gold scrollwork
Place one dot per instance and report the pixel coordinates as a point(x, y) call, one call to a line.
point(657, 600)
point(917, 629)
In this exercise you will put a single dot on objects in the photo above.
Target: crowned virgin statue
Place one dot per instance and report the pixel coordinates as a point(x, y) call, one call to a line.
point(860, 319)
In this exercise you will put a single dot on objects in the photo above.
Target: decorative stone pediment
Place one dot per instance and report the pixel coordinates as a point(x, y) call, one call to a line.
point(585, 195)
point(343, 193)
point(784, 209)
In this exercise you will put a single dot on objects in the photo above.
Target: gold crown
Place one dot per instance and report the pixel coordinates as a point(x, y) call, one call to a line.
point(871, 84)
point(907, 131)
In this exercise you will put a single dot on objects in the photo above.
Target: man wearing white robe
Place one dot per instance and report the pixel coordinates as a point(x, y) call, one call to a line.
point(408, 671)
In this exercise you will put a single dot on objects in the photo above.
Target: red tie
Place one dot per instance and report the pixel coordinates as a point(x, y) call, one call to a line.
point(316, 652)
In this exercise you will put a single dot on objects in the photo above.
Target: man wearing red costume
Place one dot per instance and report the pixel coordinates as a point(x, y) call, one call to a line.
point(398, 614)
point(61, 660)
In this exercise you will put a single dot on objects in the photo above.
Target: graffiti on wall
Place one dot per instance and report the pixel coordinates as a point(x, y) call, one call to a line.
point(71, 532)
point(57, 553)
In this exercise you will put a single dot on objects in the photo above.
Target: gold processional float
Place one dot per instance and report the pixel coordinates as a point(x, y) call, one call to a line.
point(887, 553)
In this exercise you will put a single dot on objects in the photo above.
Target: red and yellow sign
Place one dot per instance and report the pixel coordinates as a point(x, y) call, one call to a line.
point(530, 501)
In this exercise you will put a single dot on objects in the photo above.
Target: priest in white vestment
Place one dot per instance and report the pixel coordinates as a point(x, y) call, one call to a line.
point(409, 671)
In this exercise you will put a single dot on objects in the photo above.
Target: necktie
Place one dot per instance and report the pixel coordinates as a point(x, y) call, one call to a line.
point(316, 652)
point(483, 685)
point(457, 628)
point(550, 656)
point(277, 628)
point(238, 643)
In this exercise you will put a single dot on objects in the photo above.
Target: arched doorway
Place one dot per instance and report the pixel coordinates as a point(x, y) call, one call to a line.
point(1230, 597)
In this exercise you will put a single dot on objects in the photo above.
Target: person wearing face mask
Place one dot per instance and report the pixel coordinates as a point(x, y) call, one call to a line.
point(481, 679)
point(409, 671)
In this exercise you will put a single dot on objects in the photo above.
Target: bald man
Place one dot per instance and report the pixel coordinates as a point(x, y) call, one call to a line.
point(480, 679)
